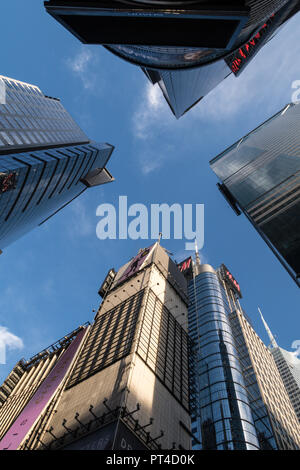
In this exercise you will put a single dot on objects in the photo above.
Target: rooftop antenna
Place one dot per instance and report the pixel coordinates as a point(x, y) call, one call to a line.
point(198, 262)
point(272, 339)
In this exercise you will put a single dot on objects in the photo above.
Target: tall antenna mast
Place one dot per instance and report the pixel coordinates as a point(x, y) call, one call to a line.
point(198, 262)
point(272, 339)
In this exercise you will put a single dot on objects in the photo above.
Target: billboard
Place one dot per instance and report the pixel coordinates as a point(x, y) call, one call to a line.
point(114, 436)
point(186, 267)
point(240, 58)
point(32, 411)
point(228, 277)
point(7, 182)
point(118, 22)
point(135, 264)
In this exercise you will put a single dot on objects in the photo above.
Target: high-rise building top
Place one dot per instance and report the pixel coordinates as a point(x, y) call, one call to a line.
point(260, 176)
point(223, 418)
point(46, 160)
point(30, 120)
point(188, 48)
point(241, 401)
point(128, 385)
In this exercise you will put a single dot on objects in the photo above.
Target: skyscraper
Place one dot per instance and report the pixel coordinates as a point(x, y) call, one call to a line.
point(128, 384)
point(288, 365)
point(187, 47)
point(46, 160)
point(241, 400)
point(30, 392)
point(260, 176)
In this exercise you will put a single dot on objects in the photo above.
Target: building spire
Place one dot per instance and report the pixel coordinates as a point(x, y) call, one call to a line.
point(198, 262)
point(272, 339)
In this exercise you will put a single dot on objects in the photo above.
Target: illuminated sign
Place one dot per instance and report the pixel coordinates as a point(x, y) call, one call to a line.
point(240, 58)
point(7, 182)
point(186, 264)
point(228, 277)
point(32, 411)
point(186, 267)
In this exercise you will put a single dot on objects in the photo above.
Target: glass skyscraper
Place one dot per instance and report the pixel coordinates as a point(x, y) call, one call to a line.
point(223, 420)
point(188, 47)
point(260, 176)
point(46, 160)
point(241, 401)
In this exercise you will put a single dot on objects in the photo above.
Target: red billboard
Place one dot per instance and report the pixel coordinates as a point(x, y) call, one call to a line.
point(240, 58)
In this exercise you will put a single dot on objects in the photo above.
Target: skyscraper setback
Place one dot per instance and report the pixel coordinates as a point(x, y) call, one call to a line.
point(260, 176)
point(127, 386)
point(46, 160)
point(188, 48)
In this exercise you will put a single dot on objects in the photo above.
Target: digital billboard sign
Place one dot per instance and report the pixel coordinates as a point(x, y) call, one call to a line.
point(7, 181)
point(186, 267)
point(228, 277)
point(118, 22)
point(241, 57)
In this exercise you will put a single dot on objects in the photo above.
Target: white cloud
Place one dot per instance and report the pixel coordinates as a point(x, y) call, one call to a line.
point(152, 112)
point(8, 341)
point(151, 119)
point(82, 66)
point(149, 166)
point(80, 222)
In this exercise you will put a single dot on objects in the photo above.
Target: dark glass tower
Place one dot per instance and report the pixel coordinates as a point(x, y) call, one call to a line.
point(260, 176)
point(187, 47)
point(46, 160)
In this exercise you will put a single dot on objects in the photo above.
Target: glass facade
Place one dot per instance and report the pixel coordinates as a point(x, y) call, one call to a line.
point(241, 401)
point(223, 420)
point(45, 159)
point(288, 365)
point(30, 119)
point(262, 173)
point(185, 72)
point(259, 410)
point(183, 89)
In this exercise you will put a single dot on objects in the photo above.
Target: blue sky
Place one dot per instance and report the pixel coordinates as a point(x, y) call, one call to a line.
point(49, 279)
